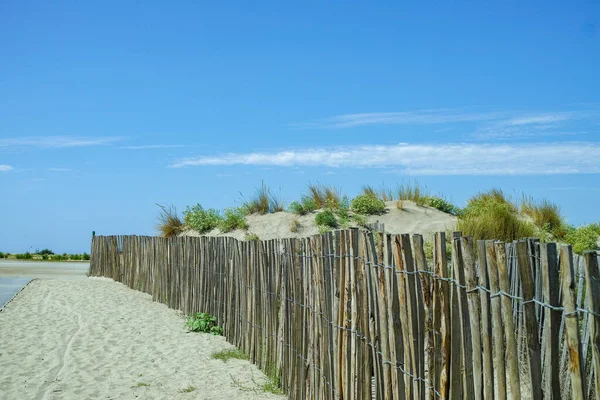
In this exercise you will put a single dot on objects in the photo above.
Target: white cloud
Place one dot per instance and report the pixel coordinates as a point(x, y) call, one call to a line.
point(426, 159)
point(58, 141)
point(5, 168)
point(152, 146)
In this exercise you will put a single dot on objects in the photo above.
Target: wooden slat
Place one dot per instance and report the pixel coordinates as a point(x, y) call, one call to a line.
point(486, 323)
point(405, 320)
point(512, 360)
point(441, 317)
point(592, 274)
point(496, 307)
point(572, 323)
point(531, 323)
point(465, 326)
point(474, 306)
point(550, 282)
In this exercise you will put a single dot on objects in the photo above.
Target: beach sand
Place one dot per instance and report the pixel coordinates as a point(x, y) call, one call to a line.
point(97, 339)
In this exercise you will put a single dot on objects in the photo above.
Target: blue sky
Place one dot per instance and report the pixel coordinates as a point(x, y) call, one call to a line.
point(109, 108)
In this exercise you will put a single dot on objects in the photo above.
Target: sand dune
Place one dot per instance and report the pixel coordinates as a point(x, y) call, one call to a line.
point(411, 219)
point(95, 338)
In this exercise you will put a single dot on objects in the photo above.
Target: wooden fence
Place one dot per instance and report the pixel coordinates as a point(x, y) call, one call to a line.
point(357, 315)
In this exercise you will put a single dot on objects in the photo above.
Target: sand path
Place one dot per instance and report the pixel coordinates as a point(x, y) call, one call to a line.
point(95, 338)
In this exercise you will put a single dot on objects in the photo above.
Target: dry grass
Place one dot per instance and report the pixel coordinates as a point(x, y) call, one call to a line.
point(295, 225)
point(545, 215)
point(264, 202)
point(413, 192)
point(169, 223)
point(382, 193)
point(324, 196)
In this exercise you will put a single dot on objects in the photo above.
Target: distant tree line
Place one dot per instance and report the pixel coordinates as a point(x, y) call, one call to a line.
point(45, 255)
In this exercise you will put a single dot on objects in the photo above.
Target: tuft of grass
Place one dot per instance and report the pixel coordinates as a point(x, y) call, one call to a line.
point(326, 218)
point(169, 223)
point(490, 215)
point(382, 193)
point(202, 220)
point(324, 196)
point(264, 202)
point(545, 215)
point(233, 218)
point(188, 389)
point(368, 204)
point(141, 384)
point(225, 355)
point(400, 204)
point(413, 192)
point(251, 236)
point(295, 225)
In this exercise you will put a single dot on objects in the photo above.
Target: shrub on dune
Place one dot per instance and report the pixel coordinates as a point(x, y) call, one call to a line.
point(327, 219)
point(490, 215)
point(202, 220)
point(368, 205)
point(583, 238)
point(233, 218)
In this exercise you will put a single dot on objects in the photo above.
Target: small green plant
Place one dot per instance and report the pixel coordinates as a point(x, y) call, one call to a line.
point(203, 322)
point(295, 225)
point(441, 204)
point(583, 238)
point(85, 256)
point(188, 389)
point(251, 236)
point(368, 205)
point(343, 209)
point(326, 218)
point(2, 255)
point(361, 220)
point(141, 384)
point(273, 383)
point(202, 220)
point(225, 355)
point(233, 218)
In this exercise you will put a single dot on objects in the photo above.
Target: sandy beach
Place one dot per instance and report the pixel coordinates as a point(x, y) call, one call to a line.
point(95, 338)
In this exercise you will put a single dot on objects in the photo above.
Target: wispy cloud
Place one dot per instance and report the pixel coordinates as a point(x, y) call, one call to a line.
point(539, 119)
point(424, 159)
point(59, 141)
point(54, 169)
point(5, 168)
point(152, 146)
point(405, 117)
point(482, 125)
